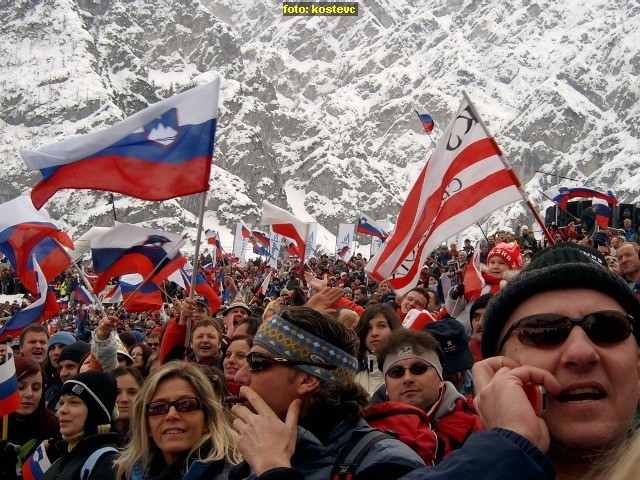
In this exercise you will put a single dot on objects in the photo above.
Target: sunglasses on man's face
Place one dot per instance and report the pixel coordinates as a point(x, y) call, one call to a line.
point(416, 369)
point(184, 405)
point(258, 361)
point(549, 329)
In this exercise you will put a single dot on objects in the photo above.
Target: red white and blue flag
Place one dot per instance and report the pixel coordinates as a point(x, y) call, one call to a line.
point(84, 296)
point(37, 464)
point(213, 238)
point(368, 226)
point(44, 307)
point(9, 395)
point(426, 120)
point(287, 224)
point(136, 298)
point(130, 249)
point(465, 179)
point(261, 238)
point(162, 152)
point(182, 277)
point(24, 232)
point(342, 251)
point(562, 195)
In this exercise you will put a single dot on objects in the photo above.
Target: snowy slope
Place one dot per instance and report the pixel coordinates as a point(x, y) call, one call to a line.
point(317, 113)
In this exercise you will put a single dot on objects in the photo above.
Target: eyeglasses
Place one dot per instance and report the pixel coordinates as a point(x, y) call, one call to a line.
point(415, 369)
point(184, 405)
point(258, 361)
point(548, 329)
point(153, 344)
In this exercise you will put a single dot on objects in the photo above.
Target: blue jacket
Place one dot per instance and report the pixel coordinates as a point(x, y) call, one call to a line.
point(495, 455)
point(388, 458)
point(198, 470)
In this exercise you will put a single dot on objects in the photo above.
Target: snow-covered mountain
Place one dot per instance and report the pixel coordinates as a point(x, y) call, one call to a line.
point(317, 112)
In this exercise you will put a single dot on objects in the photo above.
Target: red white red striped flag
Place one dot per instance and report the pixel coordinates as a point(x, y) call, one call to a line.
point(465, 179)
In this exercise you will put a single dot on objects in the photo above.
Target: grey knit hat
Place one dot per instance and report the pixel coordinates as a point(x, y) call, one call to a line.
point(559, 267)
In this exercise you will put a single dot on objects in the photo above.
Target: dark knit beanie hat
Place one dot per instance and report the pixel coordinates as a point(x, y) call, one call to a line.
point(74, 351)
point(481, 302)
point(98, 391)
point(559, 267)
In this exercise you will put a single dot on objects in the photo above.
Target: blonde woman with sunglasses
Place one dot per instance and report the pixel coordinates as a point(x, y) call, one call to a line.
point(178, 427)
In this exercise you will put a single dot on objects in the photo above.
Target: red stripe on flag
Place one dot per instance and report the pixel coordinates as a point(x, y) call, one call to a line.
point(138, 178)
point(474, 153)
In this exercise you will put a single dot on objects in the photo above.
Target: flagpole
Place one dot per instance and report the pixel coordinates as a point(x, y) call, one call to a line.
point(170, 253)
point(5, 419)
point(196, 259)
point(84, 279)
point(508, 168)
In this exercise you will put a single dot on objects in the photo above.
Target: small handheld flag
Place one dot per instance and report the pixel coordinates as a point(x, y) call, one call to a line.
point(426, 120)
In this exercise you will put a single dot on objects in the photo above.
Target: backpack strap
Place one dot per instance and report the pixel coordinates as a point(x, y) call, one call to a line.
point(353, 453)
point(88, 465)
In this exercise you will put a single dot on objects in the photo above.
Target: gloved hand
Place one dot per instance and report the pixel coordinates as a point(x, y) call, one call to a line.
point(8, 460)
point(457, 291)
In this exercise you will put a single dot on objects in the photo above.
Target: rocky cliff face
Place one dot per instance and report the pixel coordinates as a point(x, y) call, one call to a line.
point(317, 113)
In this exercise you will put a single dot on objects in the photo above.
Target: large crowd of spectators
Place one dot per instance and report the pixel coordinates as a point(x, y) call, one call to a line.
point(289, 382)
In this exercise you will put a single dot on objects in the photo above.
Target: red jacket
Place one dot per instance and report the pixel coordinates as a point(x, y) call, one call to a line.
point(434, 434)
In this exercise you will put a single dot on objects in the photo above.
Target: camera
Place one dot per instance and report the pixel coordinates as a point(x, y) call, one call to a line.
point(452, 267)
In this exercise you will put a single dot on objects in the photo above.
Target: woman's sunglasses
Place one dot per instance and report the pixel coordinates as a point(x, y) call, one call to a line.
point(549, 329)
point(415, 369)
point(189, 404)
point(258, 361)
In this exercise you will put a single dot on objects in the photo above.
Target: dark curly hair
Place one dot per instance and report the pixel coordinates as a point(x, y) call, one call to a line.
point(339, 400)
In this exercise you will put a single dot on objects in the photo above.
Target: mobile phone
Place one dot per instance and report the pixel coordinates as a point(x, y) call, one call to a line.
point(537, 396)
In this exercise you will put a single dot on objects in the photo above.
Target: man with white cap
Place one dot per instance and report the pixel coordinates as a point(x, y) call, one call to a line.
point(423, 408)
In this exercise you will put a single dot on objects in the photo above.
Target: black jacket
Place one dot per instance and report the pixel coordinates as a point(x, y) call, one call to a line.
point(69, 465)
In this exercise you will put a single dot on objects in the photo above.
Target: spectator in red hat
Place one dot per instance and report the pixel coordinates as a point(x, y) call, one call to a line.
point(503, 262)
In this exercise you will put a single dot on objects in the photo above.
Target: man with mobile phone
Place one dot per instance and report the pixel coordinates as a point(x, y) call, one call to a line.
point(571, 324)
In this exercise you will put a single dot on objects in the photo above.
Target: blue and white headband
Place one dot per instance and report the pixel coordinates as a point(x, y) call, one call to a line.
point(282, 338)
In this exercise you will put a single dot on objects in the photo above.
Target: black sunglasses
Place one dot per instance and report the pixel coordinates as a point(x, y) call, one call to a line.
point(548, 329)
point(189, 404)
point(415, 369)
point(258, 361)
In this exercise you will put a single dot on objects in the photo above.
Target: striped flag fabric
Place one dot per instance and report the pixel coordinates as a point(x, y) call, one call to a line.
point(82, 295)
point(465, 179)
point(24, 232)
point(44, 307)
point(562, 195)
point(426, 120)
point(287, 224)
point(368, 226)
point(9, 394)
point(37, 464)
point(131, 249)
point(161, 152)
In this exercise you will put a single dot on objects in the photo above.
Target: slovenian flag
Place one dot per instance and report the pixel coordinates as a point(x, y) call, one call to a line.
point(562, 195)
point(426, 120)
point(368, 226)
point(25, 232)
point(9, 395)
point(84, 296)
point(182, 277)
point(146, 298)
point(162, 152)
point(37, 465)
point(44, 307)
point(130, 249)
